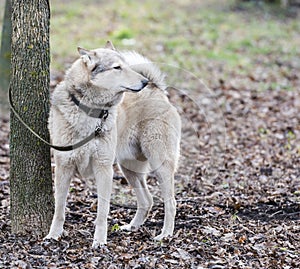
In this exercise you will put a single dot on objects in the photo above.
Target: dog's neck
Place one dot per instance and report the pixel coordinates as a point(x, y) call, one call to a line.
point(91, 112)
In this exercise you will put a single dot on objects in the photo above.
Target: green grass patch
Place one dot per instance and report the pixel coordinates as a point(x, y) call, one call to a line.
point(189, 34)
point(123, 33)
point(179, 30)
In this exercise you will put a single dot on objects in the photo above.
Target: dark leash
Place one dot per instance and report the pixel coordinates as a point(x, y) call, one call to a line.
point(92, 112)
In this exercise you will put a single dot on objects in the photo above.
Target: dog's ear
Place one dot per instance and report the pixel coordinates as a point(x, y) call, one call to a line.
point(82, 51)
point(109, 45)
point(87, 57)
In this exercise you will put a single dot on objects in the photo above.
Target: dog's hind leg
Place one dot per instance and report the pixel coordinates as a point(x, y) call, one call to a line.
point(144, 199)
point(62, 183)
point(165, 177)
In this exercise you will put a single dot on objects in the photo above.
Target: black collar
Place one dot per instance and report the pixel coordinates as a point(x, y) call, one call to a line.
point(92, 112)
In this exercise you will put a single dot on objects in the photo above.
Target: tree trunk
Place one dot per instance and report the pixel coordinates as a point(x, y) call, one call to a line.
point(30, 172)
point(5, 54)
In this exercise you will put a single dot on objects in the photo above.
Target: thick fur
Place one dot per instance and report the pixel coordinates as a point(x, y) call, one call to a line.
point(142, 131)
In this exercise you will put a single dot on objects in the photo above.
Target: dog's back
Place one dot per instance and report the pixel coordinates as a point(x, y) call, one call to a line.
point(148, 125)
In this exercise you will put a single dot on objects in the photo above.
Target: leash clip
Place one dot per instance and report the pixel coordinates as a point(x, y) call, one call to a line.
point(99, 130)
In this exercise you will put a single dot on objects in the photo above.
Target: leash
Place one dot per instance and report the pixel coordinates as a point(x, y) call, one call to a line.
point(102, 114)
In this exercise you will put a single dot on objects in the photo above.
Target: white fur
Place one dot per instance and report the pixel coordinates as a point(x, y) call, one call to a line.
point(142, 131)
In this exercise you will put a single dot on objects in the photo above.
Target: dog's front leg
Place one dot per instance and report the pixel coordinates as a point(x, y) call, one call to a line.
point(62, 183)
point(103, 175)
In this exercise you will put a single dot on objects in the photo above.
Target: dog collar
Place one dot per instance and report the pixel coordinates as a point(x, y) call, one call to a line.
point(92, 112)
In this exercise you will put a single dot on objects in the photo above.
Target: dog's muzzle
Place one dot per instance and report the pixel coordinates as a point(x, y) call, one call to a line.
point(138, 88)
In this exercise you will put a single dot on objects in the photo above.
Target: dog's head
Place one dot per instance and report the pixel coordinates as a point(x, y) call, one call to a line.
point(106, 69)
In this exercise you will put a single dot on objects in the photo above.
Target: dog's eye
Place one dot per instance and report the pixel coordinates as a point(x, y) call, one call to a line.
point(94, 68)
point(97, 69)
point(117, 67)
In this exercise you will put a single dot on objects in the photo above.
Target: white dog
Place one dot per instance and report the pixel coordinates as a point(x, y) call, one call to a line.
point(120, 95)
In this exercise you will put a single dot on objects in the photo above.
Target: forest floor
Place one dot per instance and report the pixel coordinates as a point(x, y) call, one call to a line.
point(235, 73)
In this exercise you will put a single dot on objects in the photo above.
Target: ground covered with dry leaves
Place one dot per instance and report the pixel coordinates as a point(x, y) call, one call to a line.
point(237, 186)
point(246, 215)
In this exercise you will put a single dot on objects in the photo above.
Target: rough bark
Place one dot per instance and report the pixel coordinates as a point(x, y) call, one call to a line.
point(5, 54)
point(30, 174)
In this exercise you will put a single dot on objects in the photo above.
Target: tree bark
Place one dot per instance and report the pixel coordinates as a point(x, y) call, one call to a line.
point(30, 173)
point(5, 54)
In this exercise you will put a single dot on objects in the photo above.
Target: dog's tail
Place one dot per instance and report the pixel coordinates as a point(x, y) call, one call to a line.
point(145, 67)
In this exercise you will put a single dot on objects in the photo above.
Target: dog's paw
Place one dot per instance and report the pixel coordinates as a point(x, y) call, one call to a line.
point(98, 244)
point(56, 236)
point(126, 227)
point(52, 236)
point(161, 236)
point(129, 227)
point(158, 237)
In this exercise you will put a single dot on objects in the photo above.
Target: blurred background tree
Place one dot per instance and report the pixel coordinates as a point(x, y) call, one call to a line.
point(5, 55)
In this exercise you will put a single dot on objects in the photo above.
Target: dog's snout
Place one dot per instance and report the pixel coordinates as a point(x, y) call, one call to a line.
point(145, 82)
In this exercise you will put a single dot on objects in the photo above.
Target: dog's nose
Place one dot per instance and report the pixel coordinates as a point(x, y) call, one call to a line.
point(145, 82)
